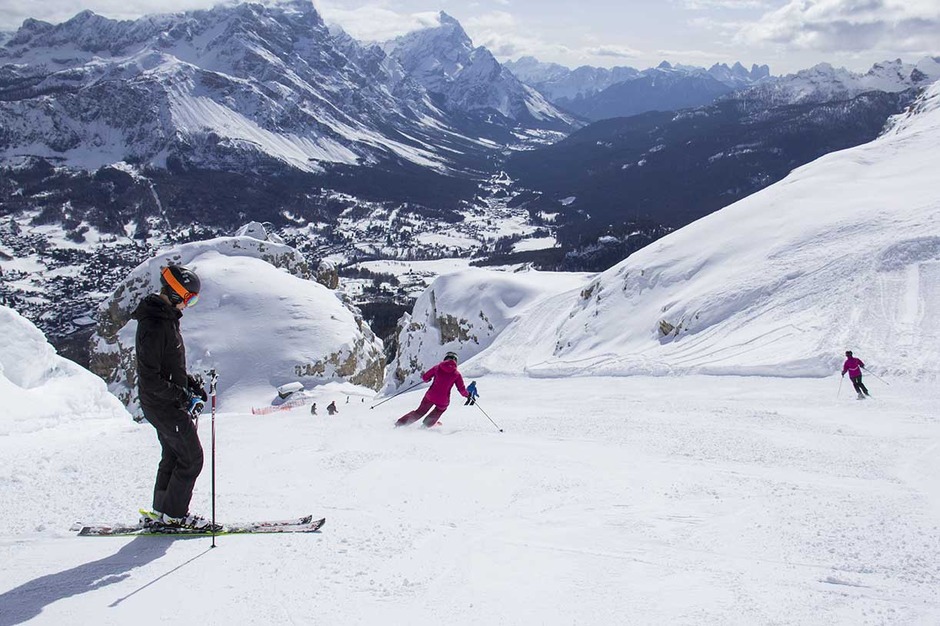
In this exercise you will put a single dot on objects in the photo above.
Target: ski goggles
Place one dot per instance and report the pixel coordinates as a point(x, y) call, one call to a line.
point(190, 298)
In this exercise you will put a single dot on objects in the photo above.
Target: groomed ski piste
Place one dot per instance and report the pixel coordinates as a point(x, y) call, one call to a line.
point(742, 483)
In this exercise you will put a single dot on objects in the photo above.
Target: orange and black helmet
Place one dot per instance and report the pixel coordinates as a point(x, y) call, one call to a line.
point(180, 284)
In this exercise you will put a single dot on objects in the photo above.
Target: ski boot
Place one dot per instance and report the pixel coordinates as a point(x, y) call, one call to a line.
point(191, 522)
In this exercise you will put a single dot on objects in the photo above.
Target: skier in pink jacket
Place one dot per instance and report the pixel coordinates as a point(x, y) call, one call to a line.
point(444, 376)
point(854, 367)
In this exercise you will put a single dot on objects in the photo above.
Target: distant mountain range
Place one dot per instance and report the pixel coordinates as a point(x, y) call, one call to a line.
point(599, 93)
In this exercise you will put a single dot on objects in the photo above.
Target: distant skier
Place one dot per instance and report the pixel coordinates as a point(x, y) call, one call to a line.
point(331, 408)
point(313, 409)
point(472, 394)
point(444, 376)
point(854, 367)
point(169, 398)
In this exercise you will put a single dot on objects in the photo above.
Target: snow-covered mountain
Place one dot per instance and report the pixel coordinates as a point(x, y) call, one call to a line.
point(561, 84)
point(228, 88)
point(243, 86)
point(843, 253)
point(469, 79)
point(662, 88)
point(825, 83)
point(261, 321)
point(665, 87)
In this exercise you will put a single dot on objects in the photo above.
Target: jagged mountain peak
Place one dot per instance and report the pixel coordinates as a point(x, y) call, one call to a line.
point(446, 33)
point(461, 76)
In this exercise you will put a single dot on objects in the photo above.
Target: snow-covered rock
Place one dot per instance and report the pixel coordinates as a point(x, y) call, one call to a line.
point(40, 389)
point(464, 312)
point(256, 230)
point(261, 321)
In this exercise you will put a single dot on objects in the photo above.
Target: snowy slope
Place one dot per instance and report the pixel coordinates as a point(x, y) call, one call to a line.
point(261, 321)
point(843, 253)
point(42, 390)
point(700, 501)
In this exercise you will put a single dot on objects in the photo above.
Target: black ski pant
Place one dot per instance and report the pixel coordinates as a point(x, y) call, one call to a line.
point(859, 387)
point(180, 462)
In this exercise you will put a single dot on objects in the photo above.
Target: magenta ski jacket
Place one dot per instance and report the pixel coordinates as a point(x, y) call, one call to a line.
point(445, 375)
point(853, 366)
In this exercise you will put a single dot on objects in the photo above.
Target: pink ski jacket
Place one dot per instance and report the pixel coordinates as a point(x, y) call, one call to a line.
point(445, 375)
point(853, 366)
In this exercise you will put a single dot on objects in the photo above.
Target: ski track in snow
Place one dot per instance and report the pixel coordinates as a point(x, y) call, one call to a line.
point(693, 500)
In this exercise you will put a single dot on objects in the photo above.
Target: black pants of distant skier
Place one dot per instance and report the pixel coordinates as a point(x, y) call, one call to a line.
point(180, 463)
point(859, 387)
point(414, 416)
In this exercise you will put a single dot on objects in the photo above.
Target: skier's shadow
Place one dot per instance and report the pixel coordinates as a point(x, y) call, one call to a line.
point(28, 600)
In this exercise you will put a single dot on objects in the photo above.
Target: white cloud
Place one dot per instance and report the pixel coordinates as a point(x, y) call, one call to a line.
point(703, 57)
point(374, 22)
point(620, 52)
point(705, 5)
point(12, 14)
point(849, 25)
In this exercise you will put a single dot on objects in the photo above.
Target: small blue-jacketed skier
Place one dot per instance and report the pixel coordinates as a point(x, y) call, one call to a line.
point(472, 394)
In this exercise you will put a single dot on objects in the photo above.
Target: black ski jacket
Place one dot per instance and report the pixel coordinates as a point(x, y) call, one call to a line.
point(161, 357)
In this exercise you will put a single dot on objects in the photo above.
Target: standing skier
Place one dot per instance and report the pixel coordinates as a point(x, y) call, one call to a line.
point(331, 408)
point(854, 367)
point(445, 376)
point(169, 398)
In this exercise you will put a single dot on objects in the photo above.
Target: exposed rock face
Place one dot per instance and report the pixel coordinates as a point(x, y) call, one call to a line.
point(328, 275)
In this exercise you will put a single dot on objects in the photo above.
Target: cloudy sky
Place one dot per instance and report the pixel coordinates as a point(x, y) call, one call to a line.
point(786, 34)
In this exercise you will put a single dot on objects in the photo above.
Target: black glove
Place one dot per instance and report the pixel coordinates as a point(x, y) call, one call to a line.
point(197, 387)
point(196, 405)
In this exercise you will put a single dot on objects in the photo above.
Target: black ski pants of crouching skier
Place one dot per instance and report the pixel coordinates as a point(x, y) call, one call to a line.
point(180, 463)
point(859, 387)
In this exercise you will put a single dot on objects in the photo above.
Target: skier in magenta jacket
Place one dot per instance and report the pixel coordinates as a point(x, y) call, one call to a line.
point(854, 367)
point(444, 376)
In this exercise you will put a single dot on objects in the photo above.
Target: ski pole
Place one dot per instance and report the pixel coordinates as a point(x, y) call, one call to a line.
point(213, 379)
point(841, 380)
point(400, 392)
point(477, 405)
point(868, 371)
